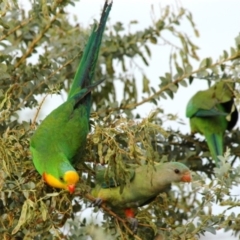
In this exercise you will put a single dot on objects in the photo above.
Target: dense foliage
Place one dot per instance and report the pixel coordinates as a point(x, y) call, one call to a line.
point(40, 51)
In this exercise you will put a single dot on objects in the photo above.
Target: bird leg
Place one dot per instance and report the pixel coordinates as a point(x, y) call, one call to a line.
point(97, 202)
point(130, 215)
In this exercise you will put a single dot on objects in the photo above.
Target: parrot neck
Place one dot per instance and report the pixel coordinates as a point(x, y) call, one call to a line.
point(70, 179)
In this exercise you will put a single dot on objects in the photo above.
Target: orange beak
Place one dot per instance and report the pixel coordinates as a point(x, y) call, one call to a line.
point(187, 177)
point(71, 188)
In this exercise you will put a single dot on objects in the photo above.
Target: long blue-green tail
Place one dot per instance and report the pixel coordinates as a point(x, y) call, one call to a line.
point(215, 145)
point(85, 72)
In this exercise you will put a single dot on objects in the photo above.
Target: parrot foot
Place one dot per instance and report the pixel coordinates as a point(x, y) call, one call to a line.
point(133, 223)
point(97, 202)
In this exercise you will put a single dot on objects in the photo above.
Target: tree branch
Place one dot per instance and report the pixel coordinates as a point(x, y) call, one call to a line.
point(35, 42)
point(109, 211)
point(44, 81)
point(168, 86)
point(22, 24)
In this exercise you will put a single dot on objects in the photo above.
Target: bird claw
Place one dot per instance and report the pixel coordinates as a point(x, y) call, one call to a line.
point(97, 202)
point(134, 224)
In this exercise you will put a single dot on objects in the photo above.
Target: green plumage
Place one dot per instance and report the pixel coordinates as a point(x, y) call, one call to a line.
point(145, 184)
point(211, 113)
point(62, 134)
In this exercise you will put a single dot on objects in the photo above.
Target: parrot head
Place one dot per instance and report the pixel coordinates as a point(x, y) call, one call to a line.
point(177, 172)
point(67, 182)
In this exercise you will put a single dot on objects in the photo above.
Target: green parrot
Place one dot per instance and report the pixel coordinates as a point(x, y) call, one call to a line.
point(62, 134)
point(211, 113)
point(146, 182)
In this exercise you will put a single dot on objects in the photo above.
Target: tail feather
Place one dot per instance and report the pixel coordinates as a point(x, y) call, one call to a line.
point(215, 144)
point(80, 96)
point(85, 71)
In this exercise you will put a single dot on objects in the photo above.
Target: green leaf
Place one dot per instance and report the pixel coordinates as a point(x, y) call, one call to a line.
point(210, 229)
point(23, 217)
point(146, 82)
point(153, 40)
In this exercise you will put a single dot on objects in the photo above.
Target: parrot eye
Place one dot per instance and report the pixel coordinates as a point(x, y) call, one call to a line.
point(177, 171)
point(61, 179)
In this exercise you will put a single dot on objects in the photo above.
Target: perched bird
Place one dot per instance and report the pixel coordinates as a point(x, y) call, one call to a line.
point(145, 184)
point(62, 134)
point(211, 113)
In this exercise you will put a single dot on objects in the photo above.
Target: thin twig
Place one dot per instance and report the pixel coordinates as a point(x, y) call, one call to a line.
point(38, 109)
point(22, 24)
point(186, 75)
point(91, 198)
point(35, 42)
point(44, 81)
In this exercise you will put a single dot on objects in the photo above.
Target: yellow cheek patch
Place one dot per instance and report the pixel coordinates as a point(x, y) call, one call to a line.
point(71, 177)
point(70, 180)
